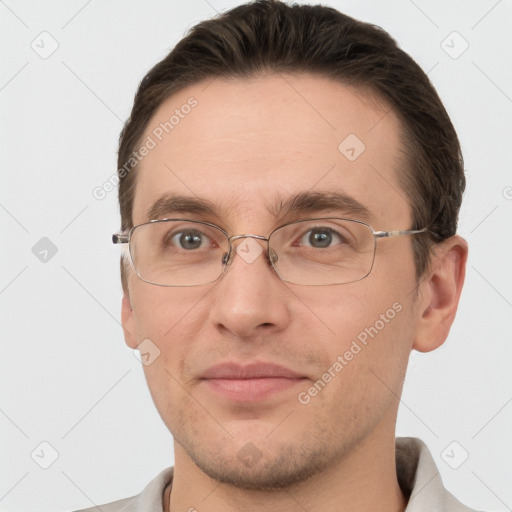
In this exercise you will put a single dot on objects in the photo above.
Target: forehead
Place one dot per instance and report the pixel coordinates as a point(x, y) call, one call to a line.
point(248, 145)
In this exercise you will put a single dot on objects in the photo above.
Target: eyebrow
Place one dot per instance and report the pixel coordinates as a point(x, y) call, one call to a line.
point(302, 203)
point(314, 202)
point(171, 203)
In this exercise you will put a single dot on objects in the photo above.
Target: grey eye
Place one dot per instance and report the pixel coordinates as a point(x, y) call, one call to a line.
point(320, 237)
point(190, 239)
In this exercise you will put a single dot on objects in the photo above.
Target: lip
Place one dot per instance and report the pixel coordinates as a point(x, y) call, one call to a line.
point(251, 382)
point(249, 371)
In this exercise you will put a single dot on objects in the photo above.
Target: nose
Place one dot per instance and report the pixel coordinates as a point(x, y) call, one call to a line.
point(250, 300)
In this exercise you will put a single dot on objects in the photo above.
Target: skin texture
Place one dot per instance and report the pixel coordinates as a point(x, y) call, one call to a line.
point(248, 144)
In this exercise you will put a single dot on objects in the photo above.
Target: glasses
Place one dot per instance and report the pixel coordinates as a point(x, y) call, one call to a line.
point(311, 252)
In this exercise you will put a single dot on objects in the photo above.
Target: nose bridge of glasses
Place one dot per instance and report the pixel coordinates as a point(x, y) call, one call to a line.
point(237, 237)
point(233, 247)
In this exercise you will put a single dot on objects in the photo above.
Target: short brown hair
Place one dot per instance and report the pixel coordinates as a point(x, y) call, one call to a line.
point(271, 36)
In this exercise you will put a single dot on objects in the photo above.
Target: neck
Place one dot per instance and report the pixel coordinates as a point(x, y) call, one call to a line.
point(364, 480)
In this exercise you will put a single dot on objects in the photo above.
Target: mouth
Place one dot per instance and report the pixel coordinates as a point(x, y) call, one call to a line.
point(249, 383)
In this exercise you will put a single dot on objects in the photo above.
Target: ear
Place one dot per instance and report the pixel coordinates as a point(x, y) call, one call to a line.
point(439, 293)
point(128, 322)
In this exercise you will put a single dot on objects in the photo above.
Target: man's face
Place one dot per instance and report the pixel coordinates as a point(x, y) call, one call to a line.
point(246, 147)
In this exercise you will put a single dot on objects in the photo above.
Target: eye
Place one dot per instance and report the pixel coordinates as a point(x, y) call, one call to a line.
point(321, 237)
point(190, 239)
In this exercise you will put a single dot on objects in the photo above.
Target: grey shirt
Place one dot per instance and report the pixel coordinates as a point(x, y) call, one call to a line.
point(416, 471)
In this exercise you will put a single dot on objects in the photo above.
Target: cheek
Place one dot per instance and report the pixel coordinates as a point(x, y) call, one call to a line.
point(367, 327)
point(394, 266)
point(169, 318)
point(363, 363)
point(162, 311)
point(168, 394)
point(342, 312)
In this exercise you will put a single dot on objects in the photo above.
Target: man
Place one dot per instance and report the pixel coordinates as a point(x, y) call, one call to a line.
point(289, 190)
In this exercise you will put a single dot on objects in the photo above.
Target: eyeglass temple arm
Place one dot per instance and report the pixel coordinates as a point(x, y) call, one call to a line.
point(387, 234)
point(120, 239)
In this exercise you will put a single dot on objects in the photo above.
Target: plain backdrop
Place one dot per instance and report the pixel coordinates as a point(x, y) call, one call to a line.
point(69, 70)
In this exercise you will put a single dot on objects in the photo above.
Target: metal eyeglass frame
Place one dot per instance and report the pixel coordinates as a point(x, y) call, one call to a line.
point(124, 238)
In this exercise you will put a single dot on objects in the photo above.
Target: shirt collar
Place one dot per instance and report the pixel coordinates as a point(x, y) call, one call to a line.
point(420, 480)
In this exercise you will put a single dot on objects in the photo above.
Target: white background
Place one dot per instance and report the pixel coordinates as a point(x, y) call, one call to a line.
point(66, 375)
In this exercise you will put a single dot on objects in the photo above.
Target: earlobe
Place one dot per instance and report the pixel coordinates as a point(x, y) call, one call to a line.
point(128, 322)
point(441, 289)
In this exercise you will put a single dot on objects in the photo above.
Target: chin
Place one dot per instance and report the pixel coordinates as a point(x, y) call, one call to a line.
point(261, 470)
